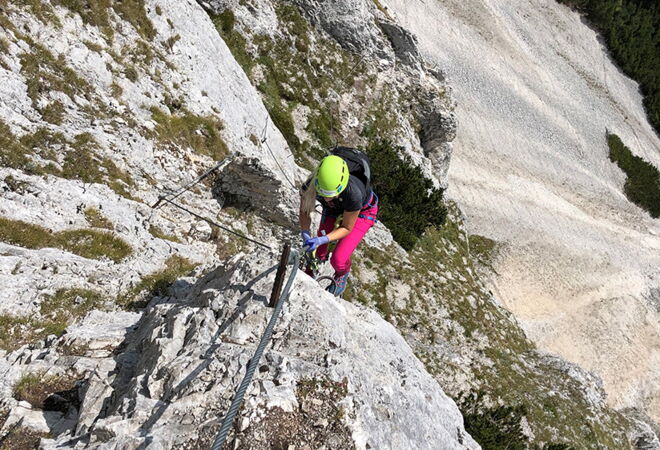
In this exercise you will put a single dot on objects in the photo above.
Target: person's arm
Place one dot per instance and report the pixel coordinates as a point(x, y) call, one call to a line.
point(347, 223)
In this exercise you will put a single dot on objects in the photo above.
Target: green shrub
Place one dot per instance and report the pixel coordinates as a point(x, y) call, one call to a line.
point(408, 201)
point(86, 243)
point(53, 113)
point(642, 185)
point(497, 428)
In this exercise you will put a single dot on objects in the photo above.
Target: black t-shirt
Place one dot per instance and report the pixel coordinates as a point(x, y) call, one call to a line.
point(353, 198)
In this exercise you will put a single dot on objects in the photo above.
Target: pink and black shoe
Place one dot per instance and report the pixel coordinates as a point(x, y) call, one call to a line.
point(339, 286)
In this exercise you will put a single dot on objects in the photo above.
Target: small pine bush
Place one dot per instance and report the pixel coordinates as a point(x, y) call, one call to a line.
point(408, 201)
point(643, 183)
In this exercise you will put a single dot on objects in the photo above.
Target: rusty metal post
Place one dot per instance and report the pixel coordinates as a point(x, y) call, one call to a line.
point(279, 276)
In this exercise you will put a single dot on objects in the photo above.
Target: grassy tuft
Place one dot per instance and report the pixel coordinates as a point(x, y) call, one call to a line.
point(158, 283)
point(225, 24)
point(57, 312)
point(96, 219)
point(160, 234)
point(94, 244)
point(53, 113)
point(86, 243)
point(185, 129)
point(42, 11)
point(45, 73)
point(131, 73)
point(482, 248)
point(642, 185)
point(133, 11)
point(98, 13)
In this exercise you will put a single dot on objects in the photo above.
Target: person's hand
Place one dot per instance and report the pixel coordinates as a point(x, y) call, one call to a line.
point(312, 244)
point(305, 234)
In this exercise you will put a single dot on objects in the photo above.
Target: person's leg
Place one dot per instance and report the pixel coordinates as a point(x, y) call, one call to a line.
point(341, 256)
point(325, 227)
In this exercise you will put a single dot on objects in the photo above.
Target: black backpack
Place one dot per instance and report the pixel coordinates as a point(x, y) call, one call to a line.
point(357, 162)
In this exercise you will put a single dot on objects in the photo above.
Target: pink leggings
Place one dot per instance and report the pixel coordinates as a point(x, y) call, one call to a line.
point(341, 256)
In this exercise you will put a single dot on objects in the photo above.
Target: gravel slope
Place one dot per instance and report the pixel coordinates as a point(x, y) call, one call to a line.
point(579, 264)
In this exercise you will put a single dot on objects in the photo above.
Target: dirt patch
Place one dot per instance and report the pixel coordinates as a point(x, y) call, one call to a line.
point(21, 438)
point(318, 422)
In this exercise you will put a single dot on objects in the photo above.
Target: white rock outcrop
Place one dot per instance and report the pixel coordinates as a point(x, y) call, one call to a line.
point(186, 356)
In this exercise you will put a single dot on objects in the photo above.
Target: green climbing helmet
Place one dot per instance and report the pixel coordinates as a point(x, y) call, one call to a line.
point(331, 176)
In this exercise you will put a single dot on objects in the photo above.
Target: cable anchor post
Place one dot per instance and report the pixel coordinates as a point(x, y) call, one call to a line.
point(279, 276)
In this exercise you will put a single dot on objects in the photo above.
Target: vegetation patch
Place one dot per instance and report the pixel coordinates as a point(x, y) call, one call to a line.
point(409, 203)
point(188, 130)
point(15, 332)
point(495, 428)
point(160, 234)
point(447, 307)
point(56, 313)
point(43, 11)
point(642, 185)
point(67, 305)
point(53, 113)
point(44, 72)
point(86, 243)
point(318, 420)
point(630, 29)
point(19, 438)
point(158, 283)
point(47, 152)
point(482, 248)
point(15, 185)
point(298, 69)
point(96, 219)
point(98, 13)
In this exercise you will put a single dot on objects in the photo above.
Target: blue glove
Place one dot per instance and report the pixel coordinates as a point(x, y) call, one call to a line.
point(306, 234)
point(313, 243)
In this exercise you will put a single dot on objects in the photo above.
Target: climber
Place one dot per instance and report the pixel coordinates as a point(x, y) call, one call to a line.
point(342, 185)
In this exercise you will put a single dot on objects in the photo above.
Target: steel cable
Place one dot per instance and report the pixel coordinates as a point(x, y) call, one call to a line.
point(254, 361)
point(187, 187)
point(215, 224)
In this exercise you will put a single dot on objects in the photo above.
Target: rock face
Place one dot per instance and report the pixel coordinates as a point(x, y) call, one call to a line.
point(130, 326)
point(536, 92)
point(182, 362)
point(149, 90)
